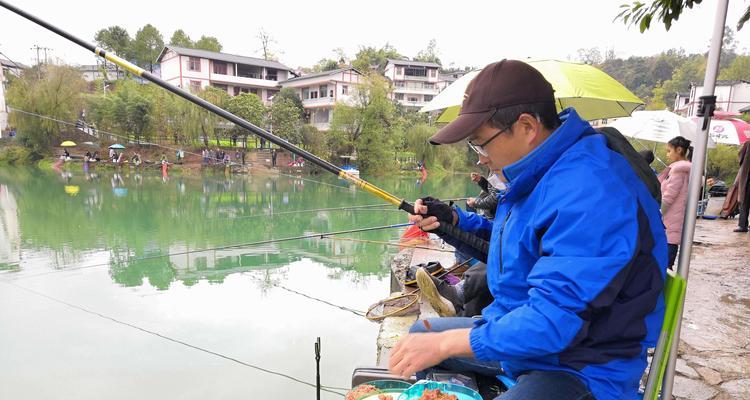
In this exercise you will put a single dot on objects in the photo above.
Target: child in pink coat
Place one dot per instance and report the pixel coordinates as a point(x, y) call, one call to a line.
point(674, 192)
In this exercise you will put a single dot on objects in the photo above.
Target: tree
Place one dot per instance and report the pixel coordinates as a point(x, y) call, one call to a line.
point(738, 69)
point(313, 140)
point(285, 120)
point(209, 43)
point(367, 126)
point(369, 58)
point(249, 107)
point(266, 42)
point(722, 162)
point(56, 94)
point(181, 39)
point(666, 11)
point(429, 54)
point(147, 45)
point(210, 122)
point(590, 56)
point(326, 64)
point(291, 95)
point(129, 110)
point(115, 38)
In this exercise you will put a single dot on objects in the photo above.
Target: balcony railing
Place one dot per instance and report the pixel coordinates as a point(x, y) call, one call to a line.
point(231, 79)
point(416, 88)
point(320, 101)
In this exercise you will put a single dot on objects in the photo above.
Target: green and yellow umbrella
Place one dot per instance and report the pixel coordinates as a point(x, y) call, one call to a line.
point(593, 93)
point(68, 143)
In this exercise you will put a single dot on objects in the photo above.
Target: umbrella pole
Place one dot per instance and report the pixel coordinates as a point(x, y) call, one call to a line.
point(706, 110)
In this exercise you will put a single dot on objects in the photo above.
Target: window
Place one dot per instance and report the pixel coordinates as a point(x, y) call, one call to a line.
point(330, 93)
point(194, 64)
point(220, 68)
point(400, 84)
point(414, 71)
point(433, 73)
point(344, 89)
point(305, 93)
point(271, 75)
point(195, 86)
point(399, 70)
point(323, 90)
point(270, 93)
point(413, 99)
point(399, 96)
point(236, 91)
point(428, 97)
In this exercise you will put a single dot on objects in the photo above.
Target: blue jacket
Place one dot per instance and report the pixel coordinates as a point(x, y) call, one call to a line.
point(576, 265)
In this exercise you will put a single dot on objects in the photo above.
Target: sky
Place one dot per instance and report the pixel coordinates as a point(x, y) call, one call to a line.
point(468, 33)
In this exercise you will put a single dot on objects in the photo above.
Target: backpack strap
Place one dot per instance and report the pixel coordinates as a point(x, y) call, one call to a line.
point(618, 143)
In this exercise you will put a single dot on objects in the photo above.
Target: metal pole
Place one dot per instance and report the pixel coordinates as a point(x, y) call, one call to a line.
point(706, 109)
point(317, 368)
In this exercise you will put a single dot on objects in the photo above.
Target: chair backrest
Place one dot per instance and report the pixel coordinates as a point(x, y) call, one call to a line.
point(674, 296)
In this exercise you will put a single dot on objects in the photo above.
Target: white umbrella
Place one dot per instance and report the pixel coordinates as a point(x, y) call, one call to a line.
point(658, 126)
point(728, 131)
point(452, 95)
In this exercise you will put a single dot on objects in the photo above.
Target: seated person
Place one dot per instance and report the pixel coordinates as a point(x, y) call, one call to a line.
point(577, 254)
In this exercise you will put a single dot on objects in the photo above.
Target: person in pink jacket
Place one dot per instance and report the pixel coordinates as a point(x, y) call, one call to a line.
point(674, 191)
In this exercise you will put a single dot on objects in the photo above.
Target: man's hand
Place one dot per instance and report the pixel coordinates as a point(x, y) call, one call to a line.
point(419, 351)
point(475, 177)
point(430, 212)
point(416, 352)
point(470, 201)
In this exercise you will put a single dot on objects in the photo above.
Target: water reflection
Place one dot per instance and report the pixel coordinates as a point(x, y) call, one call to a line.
point(70, 219)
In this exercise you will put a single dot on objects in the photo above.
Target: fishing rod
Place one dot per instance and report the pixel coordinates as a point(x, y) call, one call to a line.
point(470, 239)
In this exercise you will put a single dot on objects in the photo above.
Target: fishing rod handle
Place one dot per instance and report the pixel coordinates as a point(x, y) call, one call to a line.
point(472, 240)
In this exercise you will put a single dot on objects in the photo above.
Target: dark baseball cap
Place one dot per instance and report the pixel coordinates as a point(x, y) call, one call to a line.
point(502, 84)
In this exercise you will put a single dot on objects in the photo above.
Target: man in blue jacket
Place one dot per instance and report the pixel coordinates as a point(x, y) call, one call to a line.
point(577, 255)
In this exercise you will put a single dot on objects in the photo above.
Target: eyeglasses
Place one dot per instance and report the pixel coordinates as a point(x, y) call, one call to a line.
point(479, 148)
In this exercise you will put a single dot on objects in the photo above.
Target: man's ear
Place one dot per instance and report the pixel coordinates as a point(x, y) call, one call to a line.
point(530, 127)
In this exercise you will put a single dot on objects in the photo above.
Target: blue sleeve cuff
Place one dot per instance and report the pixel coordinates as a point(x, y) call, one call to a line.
point(476, 340)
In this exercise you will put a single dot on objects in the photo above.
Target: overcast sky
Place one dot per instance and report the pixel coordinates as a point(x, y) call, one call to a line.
point(467, 33)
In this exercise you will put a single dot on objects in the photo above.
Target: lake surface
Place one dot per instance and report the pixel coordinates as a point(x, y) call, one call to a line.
point(106, 292)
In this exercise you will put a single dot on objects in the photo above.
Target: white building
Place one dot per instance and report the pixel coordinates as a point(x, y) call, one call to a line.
point(107, 72)
point(320, 93)
point(196, 69)
point(415, 83)
point(731, 96)
point(446, 80)
point(681, 101)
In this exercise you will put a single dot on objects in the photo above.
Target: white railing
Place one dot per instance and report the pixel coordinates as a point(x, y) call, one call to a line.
point(231, 79)
point(318, 101)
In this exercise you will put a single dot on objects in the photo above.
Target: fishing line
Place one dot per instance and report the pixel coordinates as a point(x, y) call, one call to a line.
point(186, 344)
point(248, 244)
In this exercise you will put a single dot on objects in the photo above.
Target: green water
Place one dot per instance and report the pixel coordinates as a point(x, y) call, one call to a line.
point(82, 255)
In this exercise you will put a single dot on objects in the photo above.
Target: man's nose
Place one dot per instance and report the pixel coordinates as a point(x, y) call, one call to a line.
point(483, 160)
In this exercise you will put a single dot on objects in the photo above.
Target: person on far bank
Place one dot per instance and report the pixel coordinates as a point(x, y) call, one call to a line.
point(577, 252)
point(674, 192)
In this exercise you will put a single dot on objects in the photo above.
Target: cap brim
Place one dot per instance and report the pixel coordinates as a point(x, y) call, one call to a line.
point(461, 128)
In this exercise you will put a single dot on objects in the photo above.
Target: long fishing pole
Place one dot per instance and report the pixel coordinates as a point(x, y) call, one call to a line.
point(470, 239)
